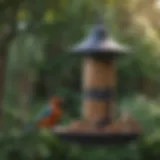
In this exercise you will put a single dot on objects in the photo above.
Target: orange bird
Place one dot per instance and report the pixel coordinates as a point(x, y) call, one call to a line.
point(49, 116)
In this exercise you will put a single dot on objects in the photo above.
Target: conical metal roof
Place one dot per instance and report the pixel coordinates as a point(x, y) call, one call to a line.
point(98, 42)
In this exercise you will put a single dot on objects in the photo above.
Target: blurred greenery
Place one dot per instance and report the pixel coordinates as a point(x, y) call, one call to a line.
point(34, 42)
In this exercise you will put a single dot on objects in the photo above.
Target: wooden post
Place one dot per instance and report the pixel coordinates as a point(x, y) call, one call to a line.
point(98, 75)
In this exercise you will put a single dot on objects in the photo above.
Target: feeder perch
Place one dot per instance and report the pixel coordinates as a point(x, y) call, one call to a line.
point(98, 124)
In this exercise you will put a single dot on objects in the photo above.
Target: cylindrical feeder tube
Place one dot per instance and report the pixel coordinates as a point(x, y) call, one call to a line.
point(98, 84)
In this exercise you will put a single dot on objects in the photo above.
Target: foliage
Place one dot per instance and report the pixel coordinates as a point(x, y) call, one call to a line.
point(41, 32)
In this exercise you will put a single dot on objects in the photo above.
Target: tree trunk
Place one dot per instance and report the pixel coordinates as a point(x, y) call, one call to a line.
point(6, 36)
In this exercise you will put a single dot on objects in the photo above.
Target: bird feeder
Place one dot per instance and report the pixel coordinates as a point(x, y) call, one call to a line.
point(99, 124)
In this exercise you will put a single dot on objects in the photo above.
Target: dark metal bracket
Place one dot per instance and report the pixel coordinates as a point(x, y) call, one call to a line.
point(102, 94)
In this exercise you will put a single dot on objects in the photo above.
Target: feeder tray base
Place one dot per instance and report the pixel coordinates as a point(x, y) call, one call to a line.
point(98, 139)
point(95, 136)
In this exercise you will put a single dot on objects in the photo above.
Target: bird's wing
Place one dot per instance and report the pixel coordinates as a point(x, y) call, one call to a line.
point(44, 113)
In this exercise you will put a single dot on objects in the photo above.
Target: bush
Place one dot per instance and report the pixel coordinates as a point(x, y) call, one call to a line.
point(43, 145)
